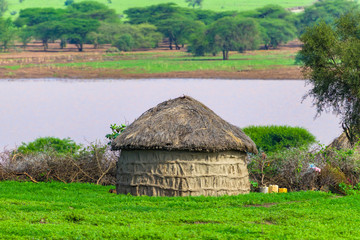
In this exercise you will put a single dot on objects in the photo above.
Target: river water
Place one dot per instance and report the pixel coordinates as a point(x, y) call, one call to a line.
point(84, 109)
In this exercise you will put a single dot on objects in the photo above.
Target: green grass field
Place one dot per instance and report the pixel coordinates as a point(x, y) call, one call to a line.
point(85, 211)
point(166, 62)
point(121, 5)
point(184, 62)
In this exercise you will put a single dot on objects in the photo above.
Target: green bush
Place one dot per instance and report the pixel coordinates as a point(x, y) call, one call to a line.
point(276, 138)
point(49, 144)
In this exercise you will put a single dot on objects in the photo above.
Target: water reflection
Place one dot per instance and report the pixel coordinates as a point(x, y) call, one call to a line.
point(83, 110)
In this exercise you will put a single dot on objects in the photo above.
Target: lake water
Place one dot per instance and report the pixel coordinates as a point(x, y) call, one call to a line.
point(84, 110)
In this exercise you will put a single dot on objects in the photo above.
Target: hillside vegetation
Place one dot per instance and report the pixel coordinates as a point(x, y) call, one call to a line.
point(122, 5)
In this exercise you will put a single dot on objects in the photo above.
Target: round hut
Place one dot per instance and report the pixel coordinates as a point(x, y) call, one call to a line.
point(182, 148)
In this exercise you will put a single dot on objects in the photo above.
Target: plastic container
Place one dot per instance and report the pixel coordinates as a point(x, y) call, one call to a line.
point(273, 188)
point(282, 190)
point(264, 189)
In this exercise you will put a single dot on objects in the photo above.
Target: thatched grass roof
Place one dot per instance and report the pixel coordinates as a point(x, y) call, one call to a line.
point(340, 142)
point(183, 124)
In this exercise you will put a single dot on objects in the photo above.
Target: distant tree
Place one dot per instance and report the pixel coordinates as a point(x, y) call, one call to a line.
point(25, 35)
point(76, 30)
point(194, 3)
point(277, 25)
point(232, 34)
point(276, 31)
point(325, 10)
point(156, 13)
point(199, 44)
point(3, 7)
point(268, 11)
point(46, 31)
point(178, 30)
point(331, 58)
point(7, 33)
point(92, 10)
point(33, 16)
point(68, 2)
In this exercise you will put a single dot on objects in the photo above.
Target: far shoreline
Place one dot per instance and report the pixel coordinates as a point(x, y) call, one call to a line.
point(288, 73)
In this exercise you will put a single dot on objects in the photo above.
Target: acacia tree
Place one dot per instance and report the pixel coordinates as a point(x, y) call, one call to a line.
point(194, 3)
point(3, 7)
point(232, 34)
point(331, 58)
point(7, 33)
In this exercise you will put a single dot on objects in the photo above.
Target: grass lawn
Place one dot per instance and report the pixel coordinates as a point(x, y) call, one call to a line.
point(121, 5)
point(166, 62)
point(185, 62)
point(85, 211)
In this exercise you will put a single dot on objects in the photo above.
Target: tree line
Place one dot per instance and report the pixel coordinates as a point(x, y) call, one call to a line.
point(202, 31)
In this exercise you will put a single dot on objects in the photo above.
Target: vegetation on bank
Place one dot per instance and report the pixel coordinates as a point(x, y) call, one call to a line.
point(85, 211)
point(201, 31)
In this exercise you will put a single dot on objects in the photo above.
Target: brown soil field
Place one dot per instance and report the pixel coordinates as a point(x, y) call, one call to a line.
point(35, 54)
point(279, 73)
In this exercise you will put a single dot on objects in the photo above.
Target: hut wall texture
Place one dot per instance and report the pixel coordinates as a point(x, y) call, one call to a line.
point(181, 173)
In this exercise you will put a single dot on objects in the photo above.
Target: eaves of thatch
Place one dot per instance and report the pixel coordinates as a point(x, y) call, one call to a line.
point(183, 124)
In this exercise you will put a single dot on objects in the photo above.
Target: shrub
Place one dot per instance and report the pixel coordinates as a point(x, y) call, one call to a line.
point(93, 164)
point(276, 138)
point(49, 144)
point(112, 50)
point(291, 168)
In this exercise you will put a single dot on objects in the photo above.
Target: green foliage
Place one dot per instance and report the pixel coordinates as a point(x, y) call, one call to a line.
point(92, 10)
point(194, 3)
point(349, 189)
point(232, 34)
point(68, 2)
point(34, 16)
point(276, 138)
point(3, 7)
point(49, 144)
point(116, 130)
point(327, 11)
point(330, 57)
point(277, 25)
point(7, 33)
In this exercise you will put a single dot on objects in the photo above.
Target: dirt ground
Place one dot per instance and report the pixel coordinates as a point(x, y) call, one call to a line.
point(32, 72)
point(35, 54)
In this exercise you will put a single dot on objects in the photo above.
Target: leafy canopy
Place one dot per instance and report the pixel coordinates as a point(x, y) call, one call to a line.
point(277, 138)
point(331, 62)
point(49, 144)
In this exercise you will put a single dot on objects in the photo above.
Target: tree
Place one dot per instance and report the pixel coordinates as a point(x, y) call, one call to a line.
point(46, 31)
point(7, 33)
point(76, 30)
point(3, 7)
point(68, 2)
point(25, 35)
point(331, 62)
point(194, 3)
point(178, 29)
point(232, 34)
point(33, 16)
point(276, 31)
point(92, 10)
point(325, 10)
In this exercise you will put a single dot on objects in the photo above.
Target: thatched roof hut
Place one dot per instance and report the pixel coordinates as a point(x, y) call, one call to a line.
point(342, 142)
point(180, 148)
